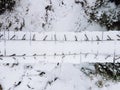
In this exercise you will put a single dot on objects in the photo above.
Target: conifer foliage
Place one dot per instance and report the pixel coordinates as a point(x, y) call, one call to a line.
point(6, 5)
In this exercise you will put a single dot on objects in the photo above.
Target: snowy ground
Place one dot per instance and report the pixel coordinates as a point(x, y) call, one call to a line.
point(48, 76)
point(50, 15)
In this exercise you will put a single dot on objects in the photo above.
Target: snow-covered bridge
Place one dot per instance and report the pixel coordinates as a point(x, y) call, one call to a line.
point(70, 47)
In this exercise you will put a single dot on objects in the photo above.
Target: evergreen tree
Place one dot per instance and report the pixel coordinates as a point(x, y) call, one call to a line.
point(6, 5)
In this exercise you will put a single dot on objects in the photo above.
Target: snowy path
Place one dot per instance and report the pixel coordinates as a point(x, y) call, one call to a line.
point(32, 47)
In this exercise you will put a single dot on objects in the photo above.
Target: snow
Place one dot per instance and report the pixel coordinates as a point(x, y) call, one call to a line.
point(60, 47)
point(68, 76)
point(64, 15)
point(50, 72)
point(60, 71)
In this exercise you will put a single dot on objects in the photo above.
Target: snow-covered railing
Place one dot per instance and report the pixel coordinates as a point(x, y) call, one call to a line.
point(61, 36)
point(69, 47)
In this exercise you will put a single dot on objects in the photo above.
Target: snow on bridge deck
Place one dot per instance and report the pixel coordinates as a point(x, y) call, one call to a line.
point(69, 47)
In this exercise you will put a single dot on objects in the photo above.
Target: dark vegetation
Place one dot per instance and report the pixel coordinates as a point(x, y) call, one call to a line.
point(15, 22)
point(1, 87)
point(108, 71)
point(6, 5)
point(102, 13)
point(117, 2)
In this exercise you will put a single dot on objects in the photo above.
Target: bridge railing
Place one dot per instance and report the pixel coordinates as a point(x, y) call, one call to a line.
point(68, 47)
